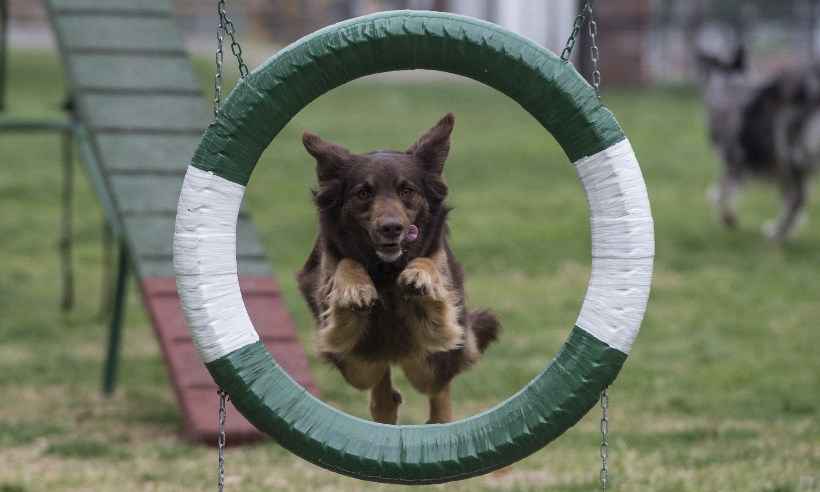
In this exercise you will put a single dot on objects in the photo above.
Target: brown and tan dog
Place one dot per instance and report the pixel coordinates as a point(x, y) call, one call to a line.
point(382, 281)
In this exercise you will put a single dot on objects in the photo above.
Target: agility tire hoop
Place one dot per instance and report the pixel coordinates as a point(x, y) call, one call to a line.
point(549, 89)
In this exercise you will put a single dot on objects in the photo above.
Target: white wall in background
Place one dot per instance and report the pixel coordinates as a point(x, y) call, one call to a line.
point(548, 22)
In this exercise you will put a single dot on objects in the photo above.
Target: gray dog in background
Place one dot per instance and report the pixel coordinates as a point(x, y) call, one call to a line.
point(768, 130)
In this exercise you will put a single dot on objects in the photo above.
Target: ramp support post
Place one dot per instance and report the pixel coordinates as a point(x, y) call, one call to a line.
point(4, 27)
point(117, 316)
point(66, 228)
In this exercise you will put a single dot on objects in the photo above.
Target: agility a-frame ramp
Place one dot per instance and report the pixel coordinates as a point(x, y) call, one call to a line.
point(139, 114)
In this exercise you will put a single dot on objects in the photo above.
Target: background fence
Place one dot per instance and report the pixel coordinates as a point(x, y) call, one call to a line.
point(641, 41)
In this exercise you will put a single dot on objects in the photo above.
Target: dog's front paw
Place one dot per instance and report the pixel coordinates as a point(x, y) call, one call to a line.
point(355, 297)
point(352, 288)
point(421, 279)
point(770, 230)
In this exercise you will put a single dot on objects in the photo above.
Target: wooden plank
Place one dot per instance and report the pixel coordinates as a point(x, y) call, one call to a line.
point(135, 72)
point(161, 267)
point(164, 6)
point(194, 389)
point(273, 329)
point(193, 386)
point(111, 32)
point(150, 193)
point(266, 309)
point(152, 236)
point(147, 153)
point(146, 194)
point(13, 124)
point(153, 112)
point(187, 366)
point(200, 406)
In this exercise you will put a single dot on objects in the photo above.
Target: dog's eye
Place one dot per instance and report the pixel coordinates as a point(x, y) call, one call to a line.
point(406, 192)
point(364, 194)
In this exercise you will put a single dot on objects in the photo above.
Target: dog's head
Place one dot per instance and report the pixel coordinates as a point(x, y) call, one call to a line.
point(377, 207)
point(733, 63)
point(724, 84)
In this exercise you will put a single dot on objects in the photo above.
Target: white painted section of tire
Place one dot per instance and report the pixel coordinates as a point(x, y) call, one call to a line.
point(205, 264)
point(623, 246)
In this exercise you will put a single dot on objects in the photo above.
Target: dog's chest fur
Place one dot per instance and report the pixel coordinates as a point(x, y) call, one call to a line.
point(390, 326)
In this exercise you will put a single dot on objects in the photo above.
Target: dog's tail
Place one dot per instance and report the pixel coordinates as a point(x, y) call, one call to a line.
point(485, 326)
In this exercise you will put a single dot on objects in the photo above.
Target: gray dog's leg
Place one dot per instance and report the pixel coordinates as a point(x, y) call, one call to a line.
point(794, 198)
point(726, 191)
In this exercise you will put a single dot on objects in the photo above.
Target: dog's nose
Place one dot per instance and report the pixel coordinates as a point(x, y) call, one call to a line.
point(391, 229)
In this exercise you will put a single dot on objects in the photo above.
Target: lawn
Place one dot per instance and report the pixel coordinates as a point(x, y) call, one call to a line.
point(721, 391)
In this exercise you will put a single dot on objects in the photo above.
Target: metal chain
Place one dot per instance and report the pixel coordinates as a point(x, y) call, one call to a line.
point(220, 441)
point(592, 26)
point(220, 29)
point(604, 475)
point(594, 53)
point(576, 29)
point(225, 26)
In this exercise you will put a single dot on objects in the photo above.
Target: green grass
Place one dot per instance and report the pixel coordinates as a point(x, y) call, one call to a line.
point(721, 391)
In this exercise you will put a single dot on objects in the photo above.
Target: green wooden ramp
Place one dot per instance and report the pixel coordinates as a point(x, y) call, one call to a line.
point(141, 113)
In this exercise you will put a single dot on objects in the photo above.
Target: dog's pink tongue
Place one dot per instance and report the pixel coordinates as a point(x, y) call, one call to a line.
point(412, 234)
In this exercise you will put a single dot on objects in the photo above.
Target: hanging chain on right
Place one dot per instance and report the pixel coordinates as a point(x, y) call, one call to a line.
point(585, 14)
point(604, 474)
point(592, 29)
point(220, 441)
point(593, 50)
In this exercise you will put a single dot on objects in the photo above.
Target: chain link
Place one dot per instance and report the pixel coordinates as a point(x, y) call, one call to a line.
point(230, 29)
point(220, 441)
point(576, 29)
point(225, 26)
point(594, 53)
point(604, 474)
point(220, 30)
point(592, 27)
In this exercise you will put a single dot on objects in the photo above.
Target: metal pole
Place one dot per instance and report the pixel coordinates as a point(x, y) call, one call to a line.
point(66, 220)
point(814, 10)
point(4, 24)
point(105, 282)
point(112, 355)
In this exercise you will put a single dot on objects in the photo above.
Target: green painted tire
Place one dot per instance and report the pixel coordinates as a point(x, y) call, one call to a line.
point(622, 245)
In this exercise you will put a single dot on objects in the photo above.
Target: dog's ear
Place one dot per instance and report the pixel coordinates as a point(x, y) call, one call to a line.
point(739, 61)
point(434, 146)
point(704, 60)
point(330, 157)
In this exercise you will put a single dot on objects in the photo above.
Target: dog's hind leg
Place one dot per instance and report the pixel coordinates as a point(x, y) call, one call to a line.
point(794, 199)
point(428, 379)
point(373, 376)
point(441, 406)
point(385, 400)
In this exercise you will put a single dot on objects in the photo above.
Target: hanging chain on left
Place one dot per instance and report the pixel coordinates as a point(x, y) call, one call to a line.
point(225, 26)
point(220, 440)
point(585, 15)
